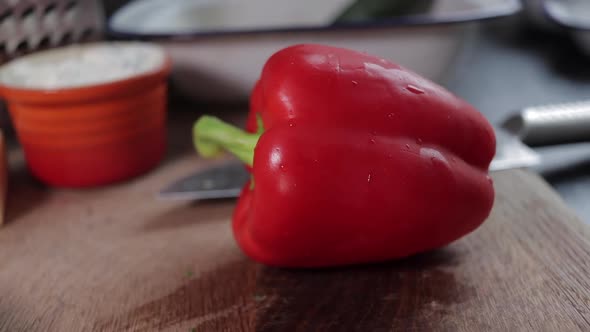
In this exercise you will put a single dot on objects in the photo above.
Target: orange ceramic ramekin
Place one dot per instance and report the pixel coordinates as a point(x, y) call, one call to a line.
point(95, 133)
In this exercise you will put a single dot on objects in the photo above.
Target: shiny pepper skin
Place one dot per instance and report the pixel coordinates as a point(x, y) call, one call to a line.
point(358, 160)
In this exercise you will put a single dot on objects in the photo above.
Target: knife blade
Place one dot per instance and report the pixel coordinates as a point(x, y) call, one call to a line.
point(227, 179)
point(537, 125)
point(216, 182)
point(512, 153)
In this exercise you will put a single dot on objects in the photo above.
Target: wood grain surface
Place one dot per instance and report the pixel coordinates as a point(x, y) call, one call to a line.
point(117, 259)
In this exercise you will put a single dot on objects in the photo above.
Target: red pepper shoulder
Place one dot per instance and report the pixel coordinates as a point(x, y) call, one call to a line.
point(333, 86)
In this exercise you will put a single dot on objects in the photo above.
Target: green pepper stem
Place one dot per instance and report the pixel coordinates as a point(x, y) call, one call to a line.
point(211, 136)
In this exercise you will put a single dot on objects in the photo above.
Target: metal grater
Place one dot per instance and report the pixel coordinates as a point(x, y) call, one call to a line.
point(30, 25)
point(27, 26)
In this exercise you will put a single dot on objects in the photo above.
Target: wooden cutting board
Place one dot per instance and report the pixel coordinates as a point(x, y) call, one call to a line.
point(117, 259)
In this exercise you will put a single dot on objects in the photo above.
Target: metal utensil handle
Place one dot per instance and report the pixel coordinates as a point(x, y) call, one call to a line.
point(552, 124)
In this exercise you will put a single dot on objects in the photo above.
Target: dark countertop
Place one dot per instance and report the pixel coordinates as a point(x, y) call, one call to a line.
point(506, 66)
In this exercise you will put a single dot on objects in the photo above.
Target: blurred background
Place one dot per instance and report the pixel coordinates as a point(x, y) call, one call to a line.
point(502, 56)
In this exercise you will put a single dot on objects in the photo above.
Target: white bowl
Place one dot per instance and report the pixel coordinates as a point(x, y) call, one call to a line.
point(218, 48)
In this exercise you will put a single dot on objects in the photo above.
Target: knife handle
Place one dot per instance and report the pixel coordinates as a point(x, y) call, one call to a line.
point(551, 124)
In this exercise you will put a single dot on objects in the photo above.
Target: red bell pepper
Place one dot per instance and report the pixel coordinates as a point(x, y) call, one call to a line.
point(354, 159)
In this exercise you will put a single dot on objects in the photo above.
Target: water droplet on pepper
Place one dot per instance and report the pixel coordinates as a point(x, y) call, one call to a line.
point(419, 140)
point(414, 89)
point(355, 83)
